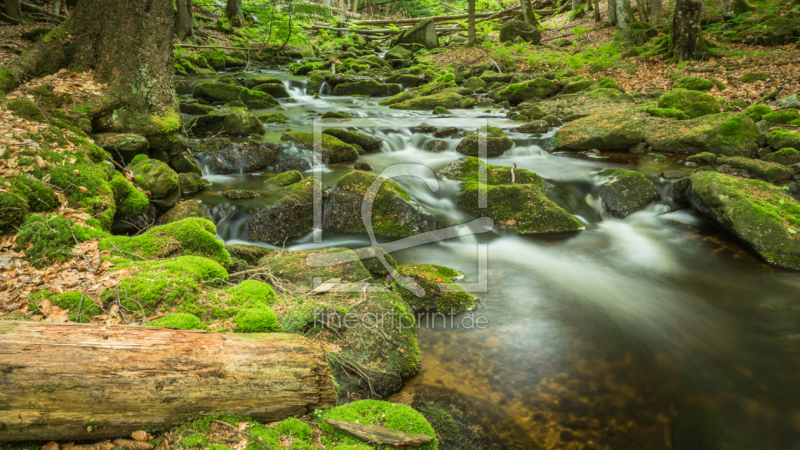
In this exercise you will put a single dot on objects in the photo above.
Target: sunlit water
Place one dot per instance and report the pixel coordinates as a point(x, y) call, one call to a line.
point(650, 332)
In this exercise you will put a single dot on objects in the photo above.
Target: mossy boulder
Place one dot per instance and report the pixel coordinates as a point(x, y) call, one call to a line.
point(534, 126)
point(288, 213)
point(775, 30)
point(367, 88)
point(447, 99)
point(667, 113)
point(757, 112)
point(693, 103)
point(336, 115)
point(185, 162)
point(782, 117)
point(522, 208)
point(368, 143)
point(693, 84)
point(244, 158)
point(196, 108)
point(517, 28)
point(220, 92)
point(240, 194)
point(516, 93)
point(610, 95)
point(626, 191)
point(38, 195)
point(25, 109)
point(452, 298)
point(303, 267)
point(123, 147)
point(14, 209)
point(729, 134)
point(131, 204)
point(236, 123)
point(398, 54)
point(619, 130)
point(753, 168)
point(158, 179)
point(762, 216)
point(286, 178)
point(474, 83)
point(273, 89)
point(192, 183)
point(423, 33)
point(333, 150)
point(780, 139)
point(186, 209)
point(496, 142)
point(577, 86)
point(393, 212)
point(703, 157)
point(752, 77)
point(785, 156)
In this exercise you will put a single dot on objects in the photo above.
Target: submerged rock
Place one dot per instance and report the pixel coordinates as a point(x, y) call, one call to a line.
point(496, 142)
point(240, 194)
point(436, 145)
point(368, 143)
point(766, 219)
point(368, 88)
point(626, 191)
point(290, 215)
point(273, 89)
point(192, 183)
point(393, 212)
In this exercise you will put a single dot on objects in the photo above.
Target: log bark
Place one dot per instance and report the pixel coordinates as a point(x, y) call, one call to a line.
point(74, 381)
point(13, 9)
point(434, 18)
point(374, 434)
point(183, 19)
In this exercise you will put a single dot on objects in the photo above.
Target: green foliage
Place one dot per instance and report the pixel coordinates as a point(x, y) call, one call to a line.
point(129, 200)
point(251, 293)
point(51, 239)
point(256, 320)
point(183, 321)
point(70, 301)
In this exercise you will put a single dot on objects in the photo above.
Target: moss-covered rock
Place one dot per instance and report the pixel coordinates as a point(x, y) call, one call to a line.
point(619, 130)
point(185, 162)
point(240, 194)
point(195, 108)
point(131, 203)
point(757, 112)
point(237, 123)
point(272, 118)
point(253, 82)
point(286, 178)
point(534, 126)
point(14, 209)
point(474, 83)
point(577, 86)
point(367, 88)
point(369, 144)
point(452, 298)
point(49, 239)
point(219, 92)
point(752, 77)
point(693, 84)
point(423, 33)
point(446, 99)
point(192, 183)
point(185, 209)
point(273, 89)
point(753, 168)
point(289, 214)
point(780, 139)
point(761, 215)
point(398, 54)
point(537, 88)
point(517, 28)
point(703, 157)
point(158, 179)
point(394, 416)
point(785, 156)
point(730, 134)
point(668, 113)
point(303, 267)
point(123, 147)
point(693, 103)
point(333, 150)
point(782, 117)
point(393, 212)
point(496, 142)
point(190, 236)
point(336, 115)
point(39, 196)
point(522, 208)
point(626, 191)
point(25, 109)
point(245, 158)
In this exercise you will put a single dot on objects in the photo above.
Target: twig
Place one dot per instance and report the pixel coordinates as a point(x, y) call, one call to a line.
point(236, 429)
point(80, 303)
point(495, 64)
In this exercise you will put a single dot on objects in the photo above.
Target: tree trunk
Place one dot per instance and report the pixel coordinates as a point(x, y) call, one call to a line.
point(612, 12)
point(528, 15)
point(72, 381)
point(355, 6)
point(597, 17)
point(576, 4)
point(686, 41)
point(13, 9)
point(471, 14)
point(183, 19)
point(655, 12)
point(727, 8)
point(233, 12)
point(641, 6)
point(624, 16)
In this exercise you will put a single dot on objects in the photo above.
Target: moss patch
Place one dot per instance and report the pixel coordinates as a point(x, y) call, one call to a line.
point(452, 298)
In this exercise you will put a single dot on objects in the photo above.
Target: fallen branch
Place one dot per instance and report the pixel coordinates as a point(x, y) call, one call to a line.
point(373, 434)
point(9, 19)
point(769, 96)
point(215, 47)
point(434, 18)
point(33, 8)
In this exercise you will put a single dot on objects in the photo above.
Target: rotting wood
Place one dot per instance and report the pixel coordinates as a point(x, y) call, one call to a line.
point(373, 434)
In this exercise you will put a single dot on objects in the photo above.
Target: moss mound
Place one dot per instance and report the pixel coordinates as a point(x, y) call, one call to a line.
point(191, 236)
point(286, 178)
point(782, 117)
point(225, 93)
point(730, 134)
point(693, 103)
point(367, 143)
point(129, 200)
point(527, 90)
point(496, 142)
point(333, 150)
point(604, 131)
point(757, 112)
point(452, 298)
point(693, 84)
point(785, 156)
point(46, 240)
point(763, 170)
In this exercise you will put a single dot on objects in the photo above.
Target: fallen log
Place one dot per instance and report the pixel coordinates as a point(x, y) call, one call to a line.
point(384, 31)
point(72, 381)
point(374, 434)
point(434, 18)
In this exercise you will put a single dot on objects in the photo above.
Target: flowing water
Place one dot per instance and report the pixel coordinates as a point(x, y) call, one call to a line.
point(651, 332)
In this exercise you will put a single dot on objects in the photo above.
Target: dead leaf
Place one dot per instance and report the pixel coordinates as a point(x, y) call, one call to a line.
point(40, 162)
point(140, 435)
point(67, 446)
point(52, 445)
point(82, 189)
point(46, 308)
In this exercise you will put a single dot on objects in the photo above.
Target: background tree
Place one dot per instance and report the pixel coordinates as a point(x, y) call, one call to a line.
point(471, 12)
point(612, 12)
point(233, 12)
point(528, 15)
point(13, 9)
point(128, 44)
point(686, 41)
point(597, 17)
point(656, 6)
point(624, 16)
point(183, 19)
point(734, 7)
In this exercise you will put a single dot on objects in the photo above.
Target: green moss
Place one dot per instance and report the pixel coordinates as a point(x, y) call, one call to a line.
point(256, 320)
point(25, 109)
point(609, 83)
point(757, 112)
point(286, 178)
point(191, 236)
point(336, 115)
point(764, 170)
point(752, 77)
point(784, 116)
point(294, 428)
point(355, 138)
point(693, 103)
point(14, 209)
point(129, 200)
point(527, 90)
point(668, 113)
point(182, 321)
point(39, 196)
point(55, 36)
point(272, 118)
point(451, 299)
point(785, 156)
point(440, 110)
point(294, 266)
point(169, 122)
point(704, 157)
point(46, 240)
point(693, 84)
point(394, 416)
point(333, 149)
point(250, 293)
point(70, 301)
point(496, 142)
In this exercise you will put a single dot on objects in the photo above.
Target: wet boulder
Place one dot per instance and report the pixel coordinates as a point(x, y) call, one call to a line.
point(527, 90)
point(367, 88)
point(368, 143)
point(123, 147)
point(518, 29)
point(245, 158)
point(619, 130)
point(273, 89)
point(534, 126)
point(730, 134)
point(225, 93)
point(447, 99)
point(785, 156)
point(240, 194)
point(780, 139)
point(192, 183)
point(184, 209)
point(253, 82)
point(692, 103)
point(158, 179)
point(753, 168)
point(474, 83)
point(236, 123)
point(626, 191)
point(333, 150)
point(766, 219)
point(496, 142)
point(398, 53)
point(523, 207)
point(436, 145)
point(449, 299)
point(184, 162)
point(423, 33)
point(393, 212)
point(286, 178)
point(289, 213)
